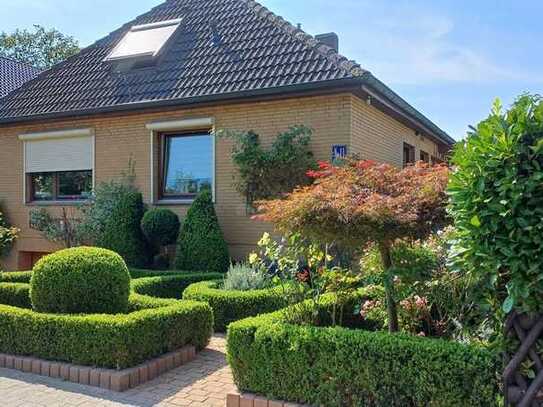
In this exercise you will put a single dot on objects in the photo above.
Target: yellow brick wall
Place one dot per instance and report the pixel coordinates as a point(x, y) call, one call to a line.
point(119, 137)
point(377, 136)
point(336, 119)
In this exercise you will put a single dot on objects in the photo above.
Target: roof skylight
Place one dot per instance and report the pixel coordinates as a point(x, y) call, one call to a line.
point(144, 40)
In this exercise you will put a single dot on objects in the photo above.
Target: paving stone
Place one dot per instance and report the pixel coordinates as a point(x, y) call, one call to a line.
point(204, 381)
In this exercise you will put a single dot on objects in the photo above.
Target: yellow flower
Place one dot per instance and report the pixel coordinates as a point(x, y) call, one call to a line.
point(265, 239)
point(253, 258)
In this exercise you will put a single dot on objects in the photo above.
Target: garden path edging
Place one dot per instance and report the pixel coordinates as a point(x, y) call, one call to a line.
point(252, 400)
point(111, 379)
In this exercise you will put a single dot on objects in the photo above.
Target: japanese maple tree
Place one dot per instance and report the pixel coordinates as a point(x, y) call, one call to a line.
point(364, 202)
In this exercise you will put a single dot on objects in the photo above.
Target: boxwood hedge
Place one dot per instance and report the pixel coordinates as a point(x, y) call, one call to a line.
point(169, 286)
point(15, 294)
point(16, 277)
point(153, 327)
point(83, 280)
point(229, 306)
point(339, 366)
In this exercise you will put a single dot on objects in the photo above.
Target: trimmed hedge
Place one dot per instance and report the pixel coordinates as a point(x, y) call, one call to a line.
point(339, 366)
point(80, 280)
point(16, 277)
point(140, 273)
point(168, 285)
point(229, 306)
point(110, 341)
point(15, 294)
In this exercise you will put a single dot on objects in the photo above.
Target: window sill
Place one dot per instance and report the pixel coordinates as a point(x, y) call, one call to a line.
point(57, 203)
point(165, 202)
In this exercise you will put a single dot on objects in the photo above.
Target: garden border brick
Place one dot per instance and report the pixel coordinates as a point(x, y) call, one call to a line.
point(115, 380)
point(252, 400)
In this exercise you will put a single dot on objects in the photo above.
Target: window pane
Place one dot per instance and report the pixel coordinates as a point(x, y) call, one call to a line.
point(188, 166)
point(43, 186)
point(74, 185)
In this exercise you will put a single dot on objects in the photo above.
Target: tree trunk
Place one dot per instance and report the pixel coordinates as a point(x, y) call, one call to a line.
point(392, 310)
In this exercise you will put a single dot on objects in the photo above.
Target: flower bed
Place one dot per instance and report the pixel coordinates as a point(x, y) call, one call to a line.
point(339, 366)
point(229, 306)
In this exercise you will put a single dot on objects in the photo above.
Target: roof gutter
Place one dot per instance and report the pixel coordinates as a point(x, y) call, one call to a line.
point(367, 83)
point(337, 83)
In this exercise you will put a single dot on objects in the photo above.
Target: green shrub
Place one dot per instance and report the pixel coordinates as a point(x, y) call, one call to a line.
point(80, 280)
point(338, 366)
point(264, 173)
point(160, 227)
point(16, 277)
point(169, 286)
point(122, 232)
point(154, 327)
point(243, 277)
point(201, 245)
point(140, 273)
point(496, 203)
point(15, 294)
point(229, 306)
point(8, 235)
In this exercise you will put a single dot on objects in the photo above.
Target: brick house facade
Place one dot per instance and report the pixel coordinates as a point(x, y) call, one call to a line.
point(355, 111)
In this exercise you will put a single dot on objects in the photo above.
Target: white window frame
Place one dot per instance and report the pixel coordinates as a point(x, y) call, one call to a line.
point(184, 125)
point(55, 135)
point(139, 28)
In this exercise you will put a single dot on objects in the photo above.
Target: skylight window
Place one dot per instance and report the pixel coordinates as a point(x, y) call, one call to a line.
point(144, 40)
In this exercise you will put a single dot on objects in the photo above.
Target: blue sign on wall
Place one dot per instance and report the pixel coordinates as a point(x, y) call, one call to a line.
point(339, 152)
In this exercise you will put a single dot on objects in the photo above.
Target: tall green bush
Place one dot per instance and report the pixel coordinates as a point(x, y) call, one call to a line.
point(201, 245)
point(497, 204)
point(122, 232)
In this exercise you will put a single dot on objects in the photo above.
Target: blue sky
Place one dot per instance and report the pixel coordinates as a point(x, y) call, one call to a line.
point(449, 58)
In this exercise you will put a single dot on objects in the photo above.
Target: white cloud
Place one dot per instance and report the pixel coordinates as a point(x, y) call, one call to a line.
point(415, 46)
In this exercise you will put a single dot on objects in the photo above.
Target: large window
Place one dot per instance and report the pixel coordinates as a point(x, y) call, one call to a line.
point(58, 165)
point(187, 165)
point(60, 186)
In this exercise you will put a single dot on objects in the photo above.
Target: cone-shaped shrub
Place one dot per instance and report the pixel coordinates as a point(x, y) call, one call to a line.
point(122, 232)
point(201, 245)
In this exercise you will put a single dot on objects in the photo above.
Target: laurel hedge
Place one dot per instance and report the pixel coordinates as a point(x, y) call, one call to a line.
point(339, 366)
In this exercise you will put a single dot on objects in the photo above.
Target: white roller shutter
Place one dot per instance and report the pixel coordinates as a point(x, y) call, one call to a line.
point(50, 152)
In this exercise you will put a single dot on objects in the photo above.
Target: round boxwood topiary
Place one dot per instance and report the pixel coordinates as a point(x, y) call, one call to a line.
point(80, 280)
point(160, 226)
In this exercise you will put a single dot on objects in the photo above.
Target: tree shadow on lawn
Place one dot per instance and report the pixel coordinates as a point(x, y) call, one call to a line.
point(206, 379)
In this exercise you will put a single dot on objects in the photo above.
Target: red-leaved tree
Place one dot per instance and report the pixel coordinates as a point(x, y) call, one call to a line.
point(364, 202)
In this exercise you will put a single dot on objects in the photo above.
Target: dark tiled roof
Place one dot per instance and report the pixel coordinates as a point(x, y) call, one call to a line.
point(13, 74)
point(222, 46)
point(223, 49)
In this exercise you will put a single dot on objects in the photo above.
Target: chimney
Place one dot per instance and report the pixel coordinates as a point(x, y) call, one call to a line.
point(330, 39)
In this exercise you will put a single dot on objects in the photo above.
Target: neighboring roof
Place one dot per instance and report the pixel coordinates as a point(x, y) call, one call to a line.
point(13, 74)
point(223, 49)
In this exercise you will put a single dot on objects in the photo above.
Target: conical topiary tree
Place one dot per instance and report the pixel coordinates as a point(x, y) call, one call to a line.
point(201, 245)
point(122, 232)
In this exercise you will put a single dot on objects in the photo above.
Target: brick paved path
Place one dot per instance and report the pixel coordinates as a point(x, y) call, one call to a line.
point(202, 382)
